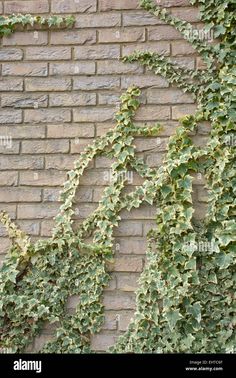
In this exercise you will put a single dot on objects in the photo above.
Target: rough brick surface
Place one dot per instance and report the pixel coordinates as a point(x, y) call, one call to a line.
point(58, 90)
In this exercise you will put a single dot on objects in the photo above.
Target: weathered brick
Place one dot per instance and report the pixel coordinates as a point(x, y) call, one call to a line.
point(144, 212)
point(10, 54)
point(127, 282)
point(51, 195)
point(24, 100)
point(140, 18)
point(106, 5)
point(48, 53)
point(8, 178)
point(73, 130)
point(121, 35)
point(144, 81)
point(38, 211)
point(98, 20)
point(72, 99)
point(21, 162)
point(127, 264)
point(9, 84)
point(162, 48)
point(102, 342)
point(112, 284)
point(163, 33)
point(26, 38)
point(93, 177)
point(168, 96)
point(26, 6)
point(97, 52)
point(148, 226)
point(204, 128)
point(78, 145)
point(45, 146)
point(79, 68)
point(42, 178)
point(76, 37)
point(72, 301)
point(40, 342)
point(179, 111)
point(200, 211)
point(103, 128)
point(118, 301)
point(202, 194)
point(110, 322)
point(72, 6)
point(10, 209)
point(24, 69)
point(173, 3)
point(129, 228)
point(185, 62)
point(10, 116)
point(23, 132)
point(96, 82)
point(124, 319)
point(46, 227)
point(182, 48)
point(92, 114)
point(151, 112)
point(154, 160)
point(198, 179)
point(20, 195)
point(29, 227)
point(9, 146)
point(200, 141)
point(47, 115)
point(5, 244)
point(200, 64)
point(48, 84)
point(59, 162)
point(85, 210)
point(114, 67)
point(186, 14)
point(108, 99)
point(131, 246)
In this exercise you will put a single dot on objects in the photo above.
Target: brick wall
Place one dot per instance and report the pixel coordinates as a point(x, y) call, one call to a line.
point(59, 90)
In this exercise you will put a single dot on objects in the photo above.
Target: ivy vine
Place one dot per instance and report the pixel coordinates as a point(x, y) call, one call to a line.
point(186, 296)
point(9, 24)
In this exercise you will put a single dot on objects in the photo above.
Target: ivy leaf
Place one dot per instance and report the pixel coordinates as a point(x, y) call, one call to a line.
point(173, 317)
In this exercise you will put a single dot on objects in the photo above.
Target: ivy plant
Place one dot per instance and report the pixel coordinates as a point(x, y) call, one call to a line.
point(9, 24)
point(186, 296)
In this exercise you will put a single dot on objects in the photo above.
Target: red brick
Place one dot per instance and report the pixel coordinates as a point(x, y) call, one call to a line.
point(121, 35)
point(26, 38)
point(47, 115)
point(45, 147)
point(106, 5)
point(98, 20)
point(70, 37)
point(47, 53)
point(24, 69)
point(26, 6)
point(42, 178)
point(73, 6)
